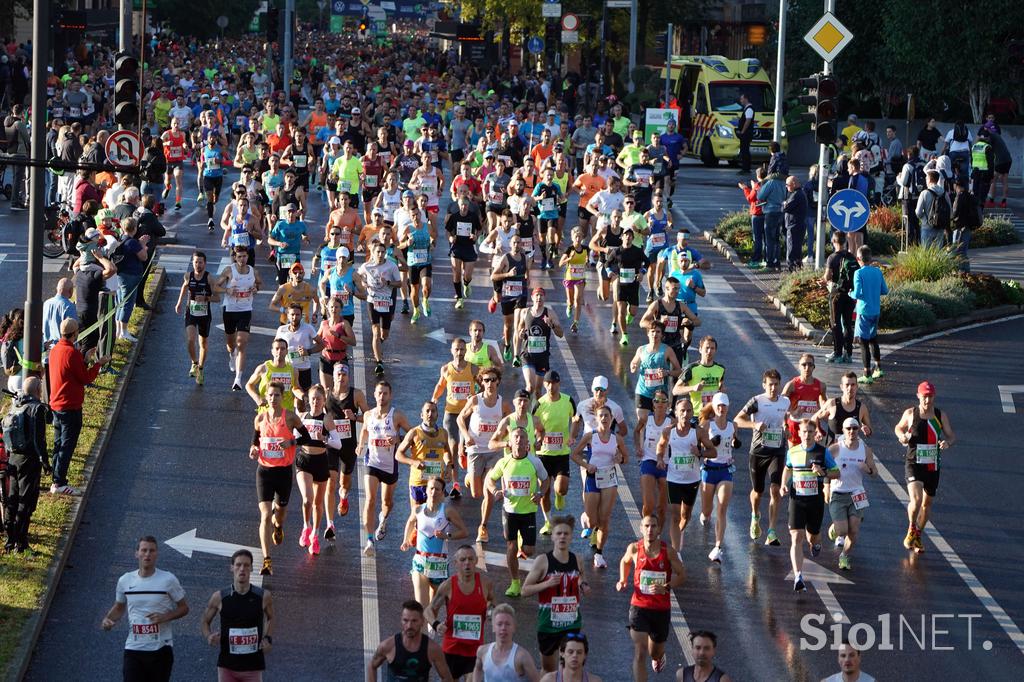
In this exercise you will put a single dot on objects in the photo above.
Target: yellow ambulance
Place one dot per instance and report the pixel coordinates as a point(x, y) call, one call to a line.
point(708, 90)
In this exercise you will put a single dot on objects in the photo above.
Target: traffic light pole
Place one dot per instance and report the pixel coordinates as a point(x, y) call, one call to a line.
point(286, 49)
point(632, 43)
point(33, 346)
point(819, 223)
point(780, 70)
point(124, 24)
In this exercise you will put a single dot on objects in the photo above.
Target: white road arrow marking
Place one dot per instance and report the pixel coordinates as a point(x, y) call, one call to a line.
point(441, 336)
point(254, 329)
point(819, 577)
point(1006, 397)
point(187, 543)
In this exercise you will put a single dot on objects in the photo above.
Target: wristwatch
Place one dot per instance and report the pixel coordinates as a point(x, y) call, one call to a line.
point(268, 639)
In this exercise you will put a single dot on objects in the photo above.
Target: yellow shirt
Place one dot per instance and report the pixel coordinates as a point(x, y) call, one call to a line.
point(348, 172)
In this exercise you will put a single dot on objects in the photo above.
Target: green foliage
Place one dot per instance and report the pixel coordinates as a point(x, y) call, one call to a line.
point(994, 232)
point(200, 20)
point(886, 219)
point(734, 229)
point(1013, 291)
point(903, 309)
point(804, 292)
point(882, 243)
point(947, 297)
point(988, 290)
point(927, 263)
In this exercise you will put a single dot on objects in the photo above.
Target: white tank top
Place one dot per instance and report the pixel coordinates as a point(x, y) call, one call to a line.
point(652, 434)
point(482, 425)
point(427, 524)
point(502, 246)
point(724, 448)
point(602, 453)
point(683, 465)
point(241, 300)
point(390, 202)
point(506, 672)
point(380, 452)
point(851, 478)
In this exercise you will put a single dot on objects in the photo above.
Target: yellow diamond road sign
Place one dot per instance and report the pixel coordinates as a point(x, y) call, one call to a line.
point(828, 37)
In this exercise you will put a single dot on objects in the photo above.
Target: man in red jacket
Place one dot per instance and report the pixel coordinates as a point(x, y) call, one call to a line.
point(70, 372)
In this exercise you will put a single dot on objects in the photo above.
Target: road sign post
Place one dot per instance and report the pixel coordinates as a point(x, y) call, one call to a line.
point(848, 210)
point(123, 148)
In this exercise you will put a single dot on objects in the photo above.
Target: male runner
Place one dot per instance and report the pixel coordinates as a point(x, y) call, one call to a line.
point(503, 660)
point(199, 290)
point(556, 413)
point(409, 654)
point(240, 282)
point(478, 422)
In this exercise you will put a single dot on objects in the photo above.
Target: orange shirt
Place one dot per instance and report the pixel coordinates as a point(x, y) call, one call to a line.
point(588, 185)
point(278, 143)
point(540, 153)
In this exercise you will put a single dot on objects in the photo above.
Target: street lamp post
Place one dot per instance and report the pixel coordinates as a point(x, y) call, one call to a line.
point(321, 5)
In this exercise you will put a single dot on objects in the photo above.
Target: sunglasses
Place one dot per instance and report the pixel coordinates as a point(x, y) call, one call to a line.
point(660, 400)
point(576, 636)
point(335, 234)
point(852, 428)
point(601, 390)
point(488, 381)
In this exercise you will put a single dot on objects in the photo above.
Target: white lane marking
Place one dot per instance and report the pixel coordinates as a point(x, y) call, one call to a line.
point(886, 350)
point(679, 624)
point(255, 329)
point(3, 257)
point(1006, 397)
point(819, 577)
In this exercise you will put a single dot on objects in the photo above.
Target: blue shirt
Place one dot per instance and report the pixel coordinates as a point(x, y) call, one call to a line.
point(868, 288)
point(291, 234)
point(673, 144)
point(686, 294)
point(212, 166)
point(55, 311)
point(772, 194)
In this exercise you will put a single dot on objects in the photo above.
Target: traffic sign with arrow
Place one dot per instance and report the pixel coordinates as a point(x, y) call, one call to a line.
point(848, 210)
point(123, 148)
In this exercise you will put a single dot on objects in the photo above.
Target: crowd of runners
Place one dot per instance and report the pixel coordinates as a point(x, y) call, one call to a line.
point(409, 152)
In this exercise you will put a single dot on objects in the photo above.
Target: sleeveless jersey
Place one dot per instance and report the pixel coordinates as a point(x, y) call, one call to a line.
point(198, 287)
point(851, 478)
point(649, 571)
point(241, 629)
point(683, 465)
point(538, 334)
point(459, 387)
point(653, 372)
point(383, 433)
point(241, 300)
point(283, 375)
point(465, 619)
point(431, 558)
point(273, 432)
point(428, 448)
point(480, 357)
point(483, 423)
point(925, 435)
point(559, 606)
point(556, 418)
point(652, 434)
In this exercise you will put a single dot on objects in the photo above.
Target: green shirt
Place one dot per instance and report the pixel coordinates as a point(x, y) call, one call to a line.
point(348, 171)
point(520, 480)
point(621, 125)
point(556, 418)
point(412, 126)
point(710, 379)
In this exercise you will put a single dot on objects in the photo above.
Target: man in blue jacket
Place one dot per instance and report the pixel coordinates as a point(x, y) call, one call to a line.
point(868, 288)
point(771, 197)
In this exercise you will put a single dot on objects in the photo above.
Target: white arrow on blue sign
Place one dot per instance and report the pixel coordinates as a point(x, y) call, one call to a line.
point(535, 45)
point(848, 210)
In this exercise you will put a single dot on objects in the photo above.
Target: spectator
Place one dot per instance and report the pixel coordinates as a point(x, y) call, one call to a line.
point(26, 448)
point(55, 311)
point(84, 190)
point(893, 154)
point(794, 210)
point(93, 269)
point(771, 195)
point(1002, 161)
point(868, 288)
point(933, 211)
point(149, 226)
point(991, 125)
point(982, 163)
point(154, 166)
point(912, 181)
point(113, 196)
point(51, 152)
point(850, 131)
point(12, 342)
point(18, 142)
point(958, 146)
point(129, 273)
point(860, 182)
point(839, 270)
point(778, 164)
point(127, 200)
point(928, 140)
point(756, 217)
point(811, 192)
point(966, 217)
point(69, 375)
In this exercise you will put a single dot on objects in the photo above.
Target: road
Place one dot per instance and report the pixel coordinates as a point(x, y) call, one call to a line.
point(177, 462)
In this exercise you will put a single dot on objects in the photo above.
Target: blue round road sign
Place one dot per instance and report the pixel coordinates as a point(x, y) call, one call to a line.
point(848, 210)
point(535, 45)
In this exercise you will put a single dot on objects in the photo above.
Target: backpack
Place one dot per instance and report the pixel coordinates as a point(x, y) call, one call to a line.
point(844, 280)
point(15, 428)
point(9, 357)
point(960, 133)
point(918, 180)
point(939, 213)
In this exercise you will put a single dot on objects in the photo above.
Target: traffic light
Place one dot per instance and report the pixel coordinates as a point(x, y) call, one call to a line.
point(273, 24)
point(821, 100)
point(364, 26)
point(661, 43)
point(126, 90)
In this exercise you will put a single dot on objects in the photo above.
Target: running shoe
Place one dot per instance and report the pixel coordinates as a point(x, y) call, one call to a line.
point(599, 561)
point(64, 490)
point(650, 295)
point(368, 549)
point(559, 502)
point(516, 362)
point(840, 541)
point(482, 535)
point(304, 537)
point(613, 330)
point(405, 306)
point(772, 539)
point(507, 354)
point(163, 194)
point(918, 545)
point(343, 506)
point(192, 372)
point(574, 328)
point(426, 307)
point(200, 377)
point(278, 534)
point(268, 567)
point(844, 562)
point(832, 532)
point(382, 528)
point(458, 304)
point(568, 310)
point(865, 379)
point(878, 373)
point(755, 527)
point(546, 528)
point(231, 360)
point(586, 533)
point(629, 319)
point(715, 555)
point(492, 305)
point(468, 287)
point(236, 386)
point(415, 316)
point(514, 589)
point(624, 341)
point(659, 665)
point(329, 533)
point(908, 541)
point(177, 207)
point(798, 584)
point(815, 549)
point(756, 265)
point(378, 369)
point(200, 197)
point(314, 545)
point(209, 225)
point(455, 494)
point(832, 357)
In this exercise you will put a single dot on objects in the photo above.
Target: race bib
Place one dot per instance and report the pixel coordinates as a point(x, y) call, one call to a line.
point(496, 196)
point(682, 462)
point(239, 121)
point(436, 568)
point(467, 627)
point(345, 186)
point(806, 408)
point(577, 271)
point(564, 610)
point(286, 260)
point(526, 244)
point(649, 580)
point(76, 112)
point(243, 641)
point(240, 239)
point(606, 477)
point(433, 156)
point(299, 160)
point(418, 257)
point(927, 453)
point(298, 360)
point(343, 427)
point(271, 448)
point(671, 323)
point(488, 427)
point(654, 377)
point(198, 308)
point(463, 229)
point(805, 483)
point(657, 239)
point(512, 288)
point(547, 205)
point(860, 499)
point(370, 180)
point(772, 437)
point(553, 441)
point(382, 303)
point(627, 275)
point(459, 390)
point(242, 294)
point(536, 344)
point(659, 167)
point(432, 468)
point(380, 442)
point(518, 486)
point(342, 296)
point(144, 631)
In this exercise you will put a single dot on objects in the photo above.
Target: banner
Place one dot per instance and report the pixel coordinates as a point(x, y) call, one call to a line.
point(656, 121)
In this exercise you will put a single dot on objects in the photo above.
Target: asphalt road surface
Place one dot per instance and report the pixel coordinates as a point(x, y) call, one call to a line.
point(178, 464)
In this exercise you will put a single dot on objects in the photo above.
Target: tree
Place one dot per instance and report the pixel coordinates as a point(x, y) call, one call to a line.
point(200, 20)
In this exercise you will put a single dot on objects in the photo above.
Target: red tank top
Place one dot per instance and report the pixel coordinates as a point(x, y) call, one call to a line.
point(803, 404)
point(465, 621)
point(648, 572)
point(174, 146)
point(335, 349)
point(273, 432)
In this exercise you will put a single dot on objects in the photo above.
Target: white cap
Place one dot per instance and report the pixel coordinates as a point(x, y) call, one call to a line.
point(720, 399)
point(343, 252)
point(850, 422)
point(599, 382)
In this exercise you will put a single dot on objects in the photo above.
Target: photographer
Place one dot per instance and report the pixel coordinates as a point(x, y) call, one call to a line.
point(25, 439)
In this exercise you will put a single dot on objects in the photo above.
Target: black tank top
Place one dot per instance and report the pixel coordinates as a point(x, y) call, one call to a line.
point(518, 269)
point(524, 226)
point(919, 431)
point(671, 338)
point(538, 328)
point(337, 408)
point(200, 286)
point(612, 240)
point(241, 629)
point(409, 666)
point(715, 676)
point(287, 196)
point(835, 424)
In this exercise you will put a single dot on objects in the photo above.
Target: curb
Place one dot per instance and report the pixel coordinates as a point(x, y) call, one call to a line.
point(34, 627)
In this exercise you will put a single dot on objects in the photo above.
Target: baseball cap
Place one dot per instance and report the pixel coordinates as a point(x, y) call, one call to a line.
point(522, 393)
point(224, 93)
point(215, 99)
point(204, 96)
point(720, 399)
point(297, 267)
point(552, 112)
point(552, 377)
point(291, 207)
point(92, 233)
point(334, 140)
point(926, 388)
point(488, 154)
point(409, 143)
point(850, 422)
point(599, 382)
point(356, 110)
point(105, 214)
point(343, 252)
point(408, 193)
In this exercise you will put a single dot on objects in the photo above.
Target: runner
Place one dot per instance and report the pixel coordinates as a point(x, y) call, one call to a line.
point(503, 660)
point(848, 498)
point(675, 316)
point(302, 344)
point(548, 194)
point(288, 236)
point(536, 324)
point(704, 379)
point(152, 598)
point(410, 654)
point(656, 572)
point(211, 168)
point(659, 222)
point(511, 278)
point(342, 286)
point(456, 383)
point(628, 263)
point(246, 622)
point(681, 450)
point(277, 369)
point(240, 282)
point(466, 597)
point(556, 413)
point(655, 365)
point(463, 228)
point(717, 472)
point(425, 450)
point(380, 277)
point(241, 223)
point(574, 260)
point(604, 450)
point(806, 396)
point(347, 406)
point(587, 413)
point(646, 435)
point(417, 244)
point(572, 656)
point(378, 439)
point(199, 291)
point(312, 469)
point(478, 422)
point(176, 148)
point(926, 432)
point(704, 644)
point(334, 337)
point(765, 414)
point(558, 580)
point(606, 242)
point(431, 525)
point(807, 465)
point(524, 482)
point(296, 291)
point(479, 351)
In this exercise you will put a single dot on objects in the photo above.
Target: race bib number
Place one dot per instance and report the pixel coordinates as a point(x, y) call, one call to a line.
point(381, 303)
point(342, 296)
point(606, 477)
point(554, 440)
point(650, 580)
point(239, 121)
point(684, 462)
point(526, 244)
point(286, 260)
point(271, 447)
point(463, 229)
point(671, 323)
point(76, 112)
point(243, 641)
point(418, 257)
point(772, 437)
point(860, 499)
point(198, 308)
point(272, 191)
point(659, 167)
point(370, 181)
point(467, 627)
point(519, 486)
point(627, 275)
point(806, 408)
point(512, 288)
point(654, 377)
point(242, 294)
point(433, 156)
point(805, 483)
point(298, 360)
point(343, 427)
point(658, 239)
point(345, 186)
point(547, 205)
point(144, 631)
point(299, 160)
point(496, 196)
point(536, 344)
point(240, 239)
point(564, 610)
point(436, 568)
point(577, 272)
point(488, 427)
point(380, 442)
point(927, 453)
point(459, 390)
point(432, 468)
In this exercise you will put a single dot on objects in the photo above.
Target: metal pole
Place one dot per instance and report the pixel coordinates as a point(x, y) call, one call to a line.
point(37, 190)
point(668, 64)
point(286, 68)
point(632, 44)
point(780, 70)
point(819, 234)
point(124, 39)
point(604, 42)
